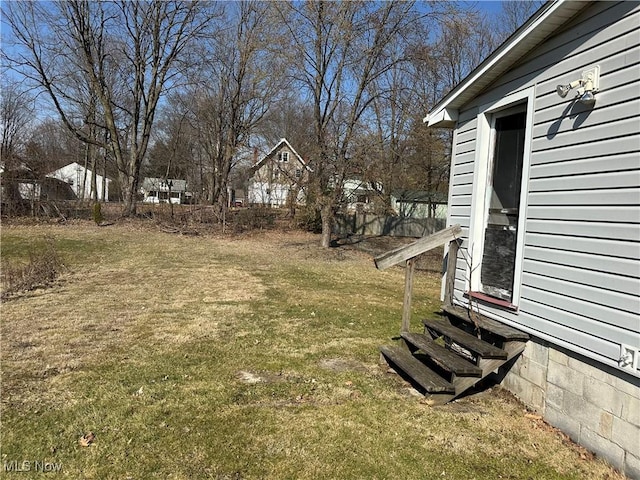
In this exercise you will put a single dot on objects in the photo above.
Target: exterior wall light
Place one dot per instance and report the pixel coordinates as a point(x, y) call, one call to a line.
point(563, 90)
point(587, 86)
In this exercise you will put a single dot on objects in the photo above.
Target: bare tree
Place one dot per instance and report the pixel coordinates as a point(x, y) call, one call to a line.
point(171, 155)
point(16, 113)
point(237, 88)
point(466, 39)
point(15, 116)
point(512, 15)
point(429, 148)
point(289, 118)
point(339, 50)
point(386, 148)
point(126, 53)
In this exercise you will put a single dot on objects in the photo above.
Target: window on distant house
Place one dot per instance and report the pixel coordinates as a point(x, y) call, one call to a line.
point(298, 172)
point(283, 157)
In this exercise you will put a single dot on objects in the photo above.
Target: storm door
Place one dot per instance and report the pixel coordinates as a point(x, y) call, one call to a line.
point(503, 195)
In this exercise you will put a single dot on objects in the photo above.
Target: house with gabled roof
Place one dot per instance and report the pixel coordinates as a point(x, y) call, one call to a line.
point(79, 178)
point(545, 186)
point(358, 195)
point(278, 178)
point(164, 190)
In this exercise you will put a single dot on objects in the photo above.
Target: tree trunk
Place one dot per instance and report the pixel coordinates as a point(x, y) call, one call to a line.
point(326, 213)
point(128, 195)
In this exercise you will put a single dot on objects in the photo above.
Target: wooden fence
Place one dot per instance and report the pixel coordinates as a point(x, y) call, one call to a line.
point(395, 226)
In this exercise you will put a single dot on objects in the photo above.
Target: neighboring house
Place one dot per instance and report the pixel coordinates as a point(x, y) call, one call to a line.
point(278, 177)
point(419, 204)
point(79, 179)
point(358, 195)
point(546, 187)
point(164, 190)
point(22, 185)
point(19, 184)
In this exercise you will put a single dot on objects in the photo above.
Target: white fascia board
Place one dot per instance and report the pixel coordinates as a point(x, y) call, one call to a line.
point(447, 117)
point(300, 159)
point(283, 141)
point(502, 54)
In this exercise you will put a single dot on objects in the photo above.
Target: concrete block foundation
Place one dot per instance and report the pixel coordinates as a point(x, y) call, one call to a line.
point(597, 406)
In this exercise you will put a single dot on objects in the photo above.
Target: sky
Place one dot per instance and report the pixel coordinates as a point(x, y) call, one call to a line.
point(490, 6)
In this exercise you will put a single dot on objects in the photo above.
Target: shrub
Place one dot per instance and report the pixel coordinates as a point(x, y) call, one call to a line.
point(308, 218)
point(253, 218)
point(41, 270)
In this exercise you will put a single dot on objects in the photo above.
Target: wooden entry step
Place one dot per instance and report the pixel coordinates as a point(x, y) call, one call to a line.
point(453, 356)
point(444, 358)
point(430, 381)
point(496, 328)
point(464, 339)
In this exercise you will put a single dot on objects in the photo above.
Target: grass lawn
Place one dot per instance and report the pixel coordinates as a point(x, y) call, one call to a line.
point(251, 357)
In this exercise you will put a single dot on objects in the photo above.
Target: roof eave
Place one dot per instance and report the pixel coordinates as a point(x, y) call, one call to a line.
point(446, 117)
point(283, 141)
point(530, 34)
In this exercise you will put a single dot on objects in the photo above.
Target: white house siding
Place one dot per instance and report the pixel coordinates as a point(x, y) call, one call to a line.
point(580, 282)
point(580, 278)
point(265, 193)
point(175, 199)
point(80, 180)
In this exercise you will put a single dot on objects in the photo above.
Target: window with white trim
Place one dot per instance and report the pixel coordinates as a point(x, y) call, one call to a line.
point(283, 157)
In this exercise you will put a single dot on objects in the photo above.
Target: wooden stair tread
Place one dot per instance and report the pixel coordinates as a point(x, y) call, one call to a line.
point(446, 359)
point(482, 348)
point(418, 371)
point(493, 326)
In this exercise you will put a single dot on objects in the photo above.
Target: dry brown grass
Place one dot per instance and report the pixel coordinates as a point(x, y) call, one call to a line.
point(252, 356)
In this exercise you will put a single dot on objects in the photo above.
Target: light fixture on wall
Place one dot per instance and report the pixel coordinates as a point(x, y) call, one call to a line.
point(587, 86)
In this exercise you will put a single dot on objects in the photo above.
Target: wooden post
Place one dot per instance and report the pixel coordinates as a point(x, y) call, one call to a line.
point(408, 289)
point(452, 258)
point(409, 254)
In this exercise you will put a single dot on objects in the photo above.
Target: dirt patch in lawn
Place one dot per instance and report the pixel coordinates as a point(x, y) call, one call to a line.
point(345, 365)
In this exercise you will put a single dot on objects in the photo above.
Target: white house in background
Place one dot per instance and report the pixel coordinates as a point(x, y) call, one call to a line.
point(278, 176)
point(419, 204)
point(545, 183)
point(79, 179)
point(358, 195)
point(164, 190)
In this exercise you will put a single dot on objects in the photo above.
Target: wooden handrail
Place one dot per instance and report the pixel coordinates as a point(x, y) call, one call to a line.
point(408, 254)
point(424, 244)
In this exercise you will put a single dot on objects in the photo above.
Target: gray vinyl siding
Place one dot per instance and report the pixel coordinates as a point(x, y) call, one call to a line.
point(580, 284)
